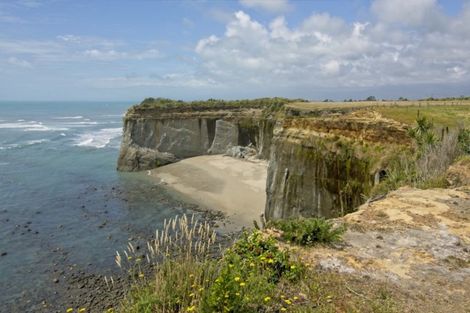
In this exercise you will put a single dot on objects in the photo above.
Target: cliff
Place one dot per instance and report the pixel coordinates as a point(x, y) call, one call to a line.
point(327, 165)
point(321, 163)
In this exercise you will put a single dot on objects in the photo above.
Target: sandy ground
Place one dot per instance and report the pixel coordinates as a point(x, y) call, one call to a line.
point(233, 186)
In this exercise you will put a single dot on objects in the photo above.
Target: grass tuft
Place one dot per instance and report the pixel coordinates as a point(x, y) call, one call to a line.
point(308, 231)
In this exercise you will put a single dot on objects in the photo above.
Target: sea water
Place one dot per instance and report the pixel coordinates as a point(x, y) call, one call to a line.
point(61, 198)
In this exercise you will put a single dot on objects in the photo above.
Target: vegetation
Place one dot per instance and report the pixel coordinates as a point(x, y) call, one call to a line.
point(262, 103)
point(426, 167)
point(452, 116)
point(308, 231)
point(253, 275)
point(464, 140)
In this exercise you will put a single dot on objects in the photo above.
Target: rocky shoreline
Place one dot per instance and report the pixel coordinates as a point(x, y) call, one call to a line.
point(83, 286)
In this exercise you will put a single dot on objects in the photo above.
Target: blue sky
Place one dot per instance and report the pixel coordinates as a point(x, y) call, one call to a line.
point(129, 50)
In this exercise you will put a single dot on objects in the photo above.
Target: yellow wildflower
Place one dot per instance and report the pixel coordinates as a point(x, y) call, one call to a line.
point(191, 294)
point(252, 264)
point(81, 310)
point(288, 301)
point(283, 309)
point(270, 261)
point(242, 284)
point(237, 293)
point(69, 310)
point(200, 289)
point(263, 258)
point(267, 299)
point(237, 278)
point(190, 308)
point(231, 265)
point(293, 267)
point(141, 275)
point(191, 275)
point(296, 298)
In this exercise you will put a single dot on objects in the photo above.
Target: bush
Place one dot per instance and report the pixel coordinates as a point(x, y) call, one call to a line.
point(308, 231)
point(248, 276)
point(464, 140)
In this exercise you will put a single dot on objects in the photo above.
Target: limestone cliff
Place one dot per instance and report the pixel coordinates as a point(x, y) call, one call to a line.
point(326, 166)
point(157, 136)
point(321, 163)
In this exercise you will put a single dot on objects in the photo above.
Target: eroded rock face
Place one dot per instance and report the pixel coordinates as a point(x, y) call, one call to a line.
point(418, 240)
point(326, 166)
point(226, 136)
point(320, 165)
point(156, 138)
point(151, 143)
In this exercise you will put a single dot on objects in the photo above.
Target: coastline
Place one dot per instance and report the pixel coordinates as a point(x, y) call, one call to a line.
point(233, 186)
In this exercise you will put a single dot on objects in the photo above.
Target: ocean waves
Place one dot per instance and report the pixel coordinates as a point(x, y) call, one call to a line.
point(23, 144)
point(98, 139)
point(31, 126)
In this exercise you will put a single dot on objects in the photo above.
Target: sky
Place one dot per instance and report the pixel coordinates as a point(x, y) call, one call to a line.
point(119, 50)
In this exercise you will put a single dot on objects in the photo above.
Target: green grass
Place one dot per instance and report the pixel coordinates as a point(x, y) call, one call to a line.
point(164, 103)
point(308, 231)
point(451, 116)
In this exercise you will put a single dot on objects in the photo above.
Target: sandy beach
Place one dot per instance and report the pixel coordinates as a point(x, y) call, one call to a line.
point(233, 186)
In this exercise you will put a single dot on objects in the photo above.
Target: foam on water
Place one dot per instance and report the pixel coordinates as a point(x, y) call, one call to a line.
point(23, 144)
point(98, 139)
point(68, 117)
point(30, 126)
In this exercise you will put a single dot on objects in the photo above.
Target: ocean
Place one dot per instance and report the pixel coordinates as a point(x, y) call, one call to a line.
point(62, 202)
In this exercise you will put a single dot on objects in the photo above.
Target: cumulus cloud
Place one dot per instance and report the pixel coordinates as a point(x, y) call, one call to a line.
point(394, 48)
point(273, 6)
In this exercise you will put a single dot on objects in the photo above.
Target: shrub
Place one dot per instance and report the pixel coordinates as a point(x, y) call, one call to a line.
point(464, 140)
point(308, 231)
point(248, 275)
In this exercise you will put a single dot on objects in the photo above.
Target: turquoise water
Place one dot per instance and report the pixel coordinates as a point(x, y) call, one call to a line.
point(61, 198)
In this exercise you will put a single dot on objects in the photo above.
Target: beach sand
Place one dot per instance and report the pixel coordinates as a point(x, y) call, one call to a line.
point(236, 187)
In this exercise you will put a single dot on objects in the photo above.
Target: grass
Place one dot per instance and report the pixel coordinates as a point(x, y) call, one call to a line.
point(451, 116)
point(427, 166)
point(308, 231)
point(164, 103)
point(252, 275)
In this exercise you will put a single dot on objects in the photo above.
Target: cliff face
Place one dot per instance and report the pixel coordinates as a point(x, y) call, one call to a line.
point(154, 138)
point(321, 164)
point(326, 166)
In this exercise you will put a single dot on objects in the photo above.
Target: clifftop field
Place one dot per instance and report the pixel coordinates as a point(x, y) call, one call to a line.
point(449, 113)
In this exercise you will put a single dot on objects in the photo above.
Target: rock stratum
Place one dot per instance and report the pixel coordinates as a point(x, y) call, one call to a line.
point(322, 162)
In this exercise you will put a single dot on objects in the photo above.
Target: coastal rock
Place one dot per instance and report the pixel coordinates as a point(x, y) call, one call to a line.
point(226, 136)
point(241, 152)
point(321, 162)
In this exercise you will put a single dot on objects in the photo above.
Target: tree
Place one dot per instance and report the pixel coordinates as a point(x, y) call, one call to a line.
point(371, 98)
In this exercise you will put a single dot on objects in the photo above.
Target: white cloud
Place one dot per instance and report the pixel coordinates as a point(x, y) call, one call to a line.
point(183, 80)
point(112, 55)
point(108, 55)
point(273, 6)
point(19, 62)
point(325, 51)
point(409, 12)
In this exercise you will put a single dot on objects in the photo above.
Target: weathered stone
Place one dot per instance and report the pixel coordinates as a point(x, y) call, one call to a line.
point(226, 136)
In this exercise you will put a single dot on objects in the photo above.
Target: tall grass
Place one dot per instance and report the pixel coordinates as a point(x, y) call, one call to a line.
point(427, 166)
point(253, 275)
point(179, 255)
